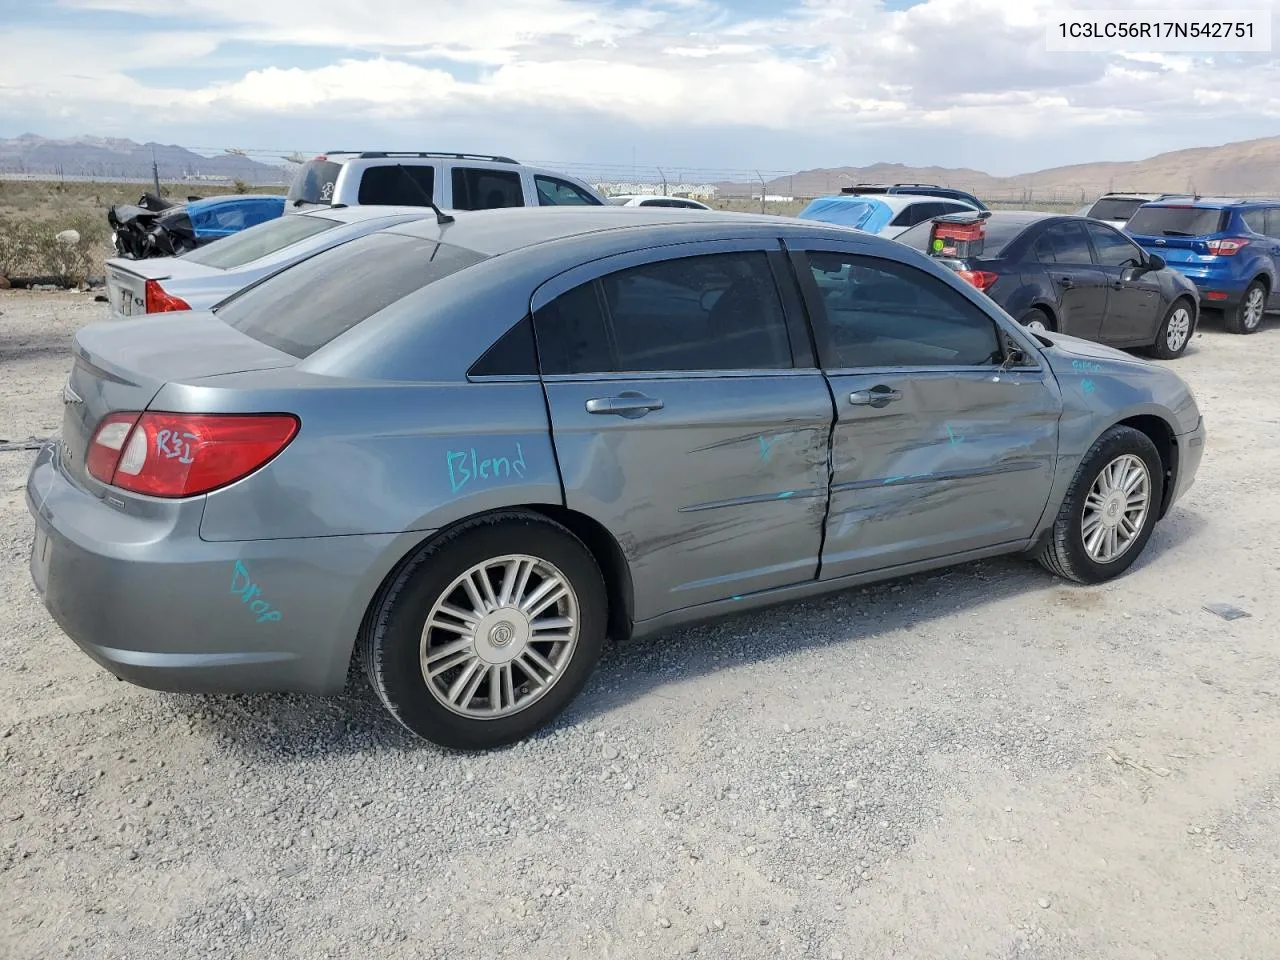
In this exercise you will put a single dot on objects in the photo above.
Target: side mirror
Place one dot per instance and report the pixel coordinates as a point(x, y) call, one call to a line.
point(1155, 262)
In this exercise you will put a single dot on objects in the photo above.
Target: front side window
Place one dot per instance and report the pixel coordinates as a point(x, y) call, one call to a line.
point(554, 192)
point(1113, 250)
point(711, 312)
point(476, 189)
point(881, 313)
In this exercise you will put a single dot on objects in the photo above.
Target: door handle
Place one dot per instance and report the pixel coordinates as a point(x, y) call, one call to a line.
point(629, 405)
point(1065, 282)
point(877, 396)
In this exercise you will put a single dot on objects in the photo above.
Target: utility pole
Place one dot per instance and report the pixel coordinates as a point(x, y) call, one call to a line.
point(664, 181)
point(155, 171)
point(763, 190)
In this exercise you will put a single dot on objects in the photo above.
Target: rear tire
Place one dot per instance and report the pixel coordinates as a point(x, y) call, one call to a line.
point(1246, 316)
point(489, 632)
point(1037, 321)
point(1175, 332)
point(1101, 527)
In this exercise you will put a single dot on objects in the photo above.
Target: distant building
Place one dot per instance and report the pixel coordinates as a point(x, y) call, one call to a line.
point(694, 191)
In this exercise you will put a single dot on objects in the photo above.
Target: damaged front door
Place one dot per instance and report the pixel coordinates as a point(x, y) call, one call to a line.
point(688, 418)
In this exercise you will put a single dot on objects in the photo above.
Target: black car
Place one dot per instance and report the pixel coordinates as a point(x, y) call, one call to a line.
point(918, 189)
point(1069, 274)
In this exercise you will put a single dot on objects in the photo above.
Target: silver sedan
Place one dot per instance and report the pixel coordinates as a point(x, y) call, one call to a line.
point(472, 447)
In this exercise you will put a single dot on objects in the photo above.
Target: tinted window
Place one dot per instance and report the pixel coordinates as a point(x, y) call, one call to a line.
point(301, 309)
point(997, 235)
point(885, 314)
point(1112, 249)
point(1115, 208)
point(553, 192)
point(915, 213)
point(486, 189)
point(1177, 222)
point(314, 183)
point(1066, 243)
point(1255, 220)
point(248, 245)
point(409, 185)
point(512, 355)
point(717, 312)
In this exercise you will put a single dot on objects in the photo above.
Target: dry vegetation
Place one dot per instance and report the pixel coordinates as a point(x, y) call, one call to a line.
point(33, 212)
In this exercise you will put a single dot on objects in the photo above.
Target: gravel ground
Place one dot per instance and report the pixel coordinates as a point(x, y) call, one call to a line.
point(980, 763)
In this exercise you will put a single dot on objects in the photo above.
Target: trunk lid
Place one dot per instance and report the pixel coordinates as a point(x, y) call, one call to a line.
point(127, 280)
point(122, 366)
point(1175, 249)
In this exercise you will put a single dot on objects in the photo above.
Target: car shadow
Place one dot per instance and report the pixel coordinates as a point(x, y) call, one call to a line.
point(277, 728)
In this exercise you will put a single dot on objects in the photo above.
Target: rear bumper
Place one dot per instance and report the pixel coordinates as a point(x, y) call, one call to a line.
point(1215, 290)
point(157, 606)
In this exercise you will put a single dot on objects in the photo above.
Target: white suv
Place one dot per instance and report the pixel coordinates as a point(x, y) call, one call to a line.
point(453, 181)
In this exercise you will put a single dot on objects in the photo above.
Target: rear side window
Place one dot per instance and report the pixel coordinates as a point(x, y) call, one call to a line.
point(266, 238)
point(314, 183)
point(1255, 220)
point(554, 192)
point(715, 312)
point(486, 189)
point(880, 313)
point(301, 309)
point(1177, 222)
point(1273, 222)
point(1064, 243)
point(402, 184)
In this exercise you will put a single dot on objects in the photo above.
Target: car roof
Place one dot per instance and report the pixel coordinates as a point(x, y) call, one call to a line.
point(650, 196)
point(896, 201)
point(1212, 203)
point(495, 232)
point(205, 203)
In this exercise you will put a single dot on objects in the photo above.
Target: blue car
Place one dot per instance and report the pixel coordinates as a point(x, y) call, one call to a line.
point(1229, 248)
point(159, 228)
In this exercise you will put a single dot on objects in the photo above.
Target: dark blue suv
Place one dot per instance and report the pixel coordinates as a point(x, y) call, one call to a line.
point(1229, 248)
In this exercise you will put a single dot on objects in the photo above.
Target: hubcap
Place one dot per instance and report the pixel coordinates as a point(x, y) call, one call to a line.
point(1253, 308)
point(499, 637)
point(1037, 325)
point(1116, 508)
point(1179, 329)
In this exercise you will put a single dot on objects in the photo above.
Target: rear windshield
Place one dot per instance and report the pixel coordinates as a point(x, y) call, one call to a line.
point(301, 309)
point(998, 235)
point(255, 242)
point(314, 183)
point(1177, 222)
point(1115, 208)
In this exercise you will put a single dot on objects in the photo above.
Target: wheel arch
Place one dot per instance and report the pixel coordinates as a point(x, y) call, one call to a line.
point(1161, 433)
point(1049, 310)
point(600, 543)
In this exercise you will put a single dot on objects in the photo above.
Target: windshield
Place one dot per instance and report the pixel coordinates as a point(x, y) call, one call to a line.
point(1115, 208)
point(256, 242)
point(301, 309)
point(1177, 222)
point(998, 235)
point(313, 183)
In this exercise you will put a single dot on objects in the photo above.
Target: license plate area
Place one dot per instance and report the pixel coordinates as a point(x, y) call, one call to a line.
point(41, 554)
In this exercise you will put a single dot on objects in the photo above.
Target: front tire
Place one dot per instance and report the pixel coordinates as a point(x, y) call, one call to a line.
point(489, 632)
point(1246, 316)
point(1109, 511)
point(1175, 332)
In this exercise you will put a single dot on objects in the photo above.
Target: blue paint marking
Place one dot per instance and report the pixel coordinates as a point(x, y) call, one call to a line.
point(1087, 386)
point(893, 479)
point(1085, 366)
point(242, 586)
point(952, 435)
point(788, 493)
point(765, 445)
point(467, 466)
point(736, 598)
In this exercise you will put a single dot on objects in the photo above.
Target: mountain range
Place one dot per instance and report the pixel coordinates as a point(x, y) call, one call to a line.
point(1244, 167)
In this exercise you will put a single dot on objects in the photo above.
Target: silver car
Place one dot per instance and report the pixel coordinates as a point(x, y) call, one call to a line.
point(474, 447)
point(208, 275)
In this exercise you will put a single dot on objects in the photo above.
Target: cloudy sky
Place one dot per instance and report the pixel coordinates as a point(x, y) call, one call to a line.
point(711, 85)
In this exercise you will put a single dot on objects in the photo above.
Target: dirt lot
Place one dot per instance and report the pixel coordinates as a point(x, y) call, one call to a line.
point(983, 763)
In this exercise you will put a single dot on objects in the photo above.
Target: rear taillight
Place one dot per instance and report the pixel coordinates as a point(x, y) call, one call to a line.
point(1228, 247)
point(158, 301)
point(184, 454)
point(982, 279)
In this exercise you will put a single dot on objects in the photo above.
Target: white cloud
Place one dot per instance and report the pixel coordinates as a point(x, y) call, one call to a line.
point(977, 67)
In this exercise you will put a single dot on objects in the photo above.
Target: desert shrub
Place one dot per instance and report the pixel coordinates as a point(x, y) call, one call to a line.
point(29, 246)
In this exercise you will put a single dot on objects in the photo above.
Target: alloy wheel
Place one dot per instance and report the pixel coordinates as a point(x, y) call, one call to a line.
point(1179, 329)
point(1116, 508)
